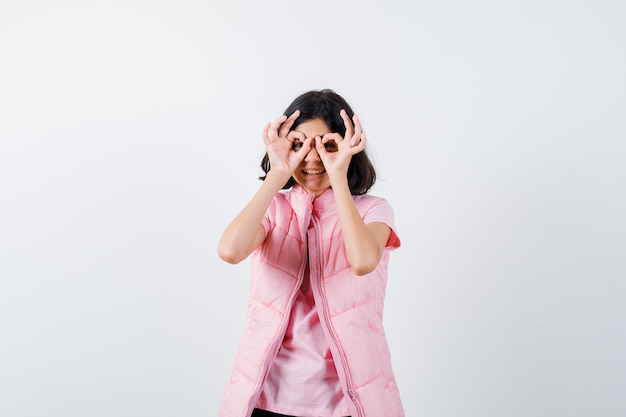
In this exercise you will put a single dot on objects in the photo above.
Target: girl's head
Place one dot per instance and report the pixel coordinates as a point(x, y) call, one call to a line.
point(326, 105)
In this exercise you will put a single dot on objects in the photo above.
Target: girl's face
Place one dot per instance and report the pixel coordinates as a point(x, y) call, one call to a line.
point(310, 174)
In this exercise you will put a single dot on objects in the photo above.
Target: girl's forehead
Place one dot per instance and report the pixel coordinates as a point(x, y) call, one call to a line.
point(313, 127)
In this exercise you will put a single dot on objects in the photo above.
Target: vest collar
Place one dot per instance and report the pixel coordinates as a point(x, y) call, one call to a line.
point(323, 201)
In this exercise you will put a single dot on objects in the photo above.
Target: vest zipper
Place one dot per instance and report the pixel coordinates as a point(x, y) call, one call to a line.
point(322, 305)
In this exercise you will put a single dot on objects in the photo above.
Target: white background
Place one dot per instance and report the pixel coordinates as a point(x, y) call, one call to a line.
point(130, 136)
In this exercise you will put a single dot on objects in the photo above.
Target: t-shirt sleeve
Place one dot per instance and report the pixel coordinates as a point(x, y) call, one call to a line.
point(382, 212)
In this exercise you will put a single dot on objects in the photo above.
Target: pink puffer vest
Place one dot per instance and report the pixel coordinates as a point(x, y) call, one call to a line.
point(350, 306)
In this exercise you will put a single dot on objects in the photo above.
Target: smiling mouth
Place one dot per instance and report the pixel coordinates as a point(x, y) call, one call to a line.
point(313, 171)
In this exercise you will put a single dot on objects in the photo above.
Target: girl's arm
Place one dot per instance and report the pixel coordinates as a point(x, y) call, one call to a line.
point(365, 243)
point(246, 232)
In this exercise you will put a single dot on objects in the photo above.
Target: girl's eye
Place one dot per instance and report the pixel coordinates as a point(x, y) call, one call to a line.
point(331, 146)
point(296, 145)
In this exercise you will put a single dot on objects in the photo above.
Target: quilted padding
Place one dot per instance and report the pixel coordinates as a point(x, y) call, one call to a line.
point(350, 306)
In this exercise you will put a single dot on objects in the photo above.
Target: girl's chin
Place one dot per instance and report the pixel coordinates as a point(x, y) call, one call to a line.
point(314, 187)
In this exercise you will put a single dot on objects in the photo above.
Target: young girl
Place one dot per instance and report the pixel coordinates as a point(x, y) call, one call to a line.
point(314, 343)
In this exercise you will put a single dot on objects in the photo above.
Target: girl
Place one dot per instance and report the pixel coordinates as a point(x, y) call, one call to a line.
point(314, 344)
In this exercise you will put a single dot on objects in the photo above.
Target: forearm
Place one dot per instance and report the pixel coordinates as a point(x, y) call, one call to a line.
point(364, 247)
point(242, 235)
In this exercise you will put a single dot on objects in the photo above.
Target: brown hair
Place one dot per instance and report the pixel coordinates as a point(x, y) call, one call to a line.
point(326, 105)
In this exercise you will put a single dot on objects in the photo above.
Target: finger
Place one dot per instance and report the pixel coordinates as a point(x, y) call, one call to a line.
point(304, 150)
point(289, 122)
point(293, 136)
point(332, 136)
point(319, 147)
point(356, 137)
point(347, 123)
point(266, 129)
point(361, 145)
point(306, 147)
point(273, 129)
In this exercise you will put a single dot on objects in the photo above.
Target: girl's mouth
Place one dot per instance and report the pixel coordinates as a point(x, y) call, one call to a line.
point(313, 171)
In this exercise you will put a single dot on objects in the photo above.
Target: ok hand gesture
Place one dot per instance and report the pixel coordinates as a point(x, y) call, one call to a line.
point(283, 156)
point(336, 151)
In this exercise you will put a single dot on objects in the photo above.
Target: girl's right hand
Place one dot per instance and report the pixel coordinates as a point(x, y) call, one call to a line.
point(283, 156)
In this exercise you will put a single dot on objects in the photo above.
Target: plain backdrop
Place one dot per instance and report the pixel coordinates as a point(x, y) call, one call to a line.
point(131, 135)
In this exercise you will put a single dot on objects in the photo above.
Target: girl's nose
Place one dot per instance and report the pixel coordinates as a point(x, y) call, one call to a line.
point(312, 155)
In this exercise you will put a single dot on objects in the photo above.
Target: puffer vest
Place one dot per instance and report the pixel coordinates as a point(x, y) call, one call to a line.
point(350, 307)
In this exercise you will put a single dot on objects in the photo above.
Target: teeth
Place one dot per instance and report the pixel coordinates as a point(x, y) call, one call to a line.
point(313, 171)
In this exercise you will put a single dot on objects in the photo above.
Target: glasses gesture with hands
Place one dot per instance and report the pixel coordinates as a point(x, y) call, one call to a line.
point(287, 149)
point(336, 151)
point(284, 158)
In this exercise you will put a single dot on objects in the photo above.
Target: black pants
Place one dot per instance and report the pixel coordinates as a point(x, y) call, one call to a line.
point(263, 413)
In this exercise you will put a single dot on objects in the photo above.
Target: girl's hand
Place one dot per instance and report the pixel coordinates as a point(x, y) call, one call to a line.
point(336, 151)
point(284, 157)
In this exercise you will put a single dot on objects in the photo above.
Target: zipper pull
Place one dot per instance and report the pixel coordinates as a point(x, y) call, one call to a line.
point(352, 395)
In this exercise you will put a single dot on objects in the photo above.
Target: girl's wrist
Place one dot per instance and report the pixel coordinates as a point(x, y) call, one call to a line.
point(338, 181)
point(278, 177)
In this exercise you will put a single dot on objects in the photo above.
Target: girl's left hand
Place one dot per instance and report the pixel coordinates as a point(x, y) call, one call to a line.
point(336, 151)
